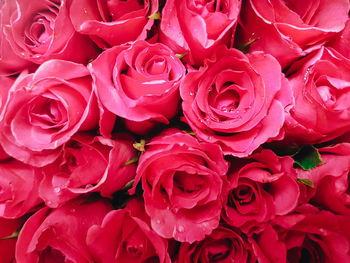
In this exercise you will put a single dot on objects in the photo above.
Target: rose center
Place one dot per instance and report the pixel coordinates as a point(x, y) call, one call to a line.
point(218, 251)
point(187, 183)
point(228, 101)
point(156, 66)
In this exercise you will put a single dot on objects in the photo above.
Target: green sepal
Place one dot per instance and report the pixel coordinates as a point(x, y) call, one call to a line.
point(307, 182)
point(307, 157)
point(155, 16)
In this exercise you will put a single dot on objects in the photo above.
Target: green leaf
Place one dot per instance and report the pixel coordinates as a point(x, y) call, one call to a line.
point(306, 182)
point(307, 157)
point(155, 16)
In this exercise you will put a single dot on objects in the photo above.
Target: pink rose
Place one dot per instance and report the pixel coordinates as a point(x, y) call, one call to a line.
point(222, 245)
point(307, 236)
point(182, 180)
point(321, 111)
point(5, 84)
point(85, 165)
point(236, 101)
point(7, 245)
point(341, 42)
point(260, 189)
point(330, 180)
point(113, 22)
point(125, 236)
point(41, 30)
point(45, 109)
point(139, 82)
point(19, 188)
point(10, 62)
point(291, 29)
point(195, 28)
point(59, 235)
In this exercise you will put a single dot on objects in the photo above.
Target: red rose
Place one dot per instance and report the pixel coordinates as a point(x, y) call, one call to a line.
point(113, 22)
point(291, 29)
point(260, 189)
point(19, 188)
point(222, 245)
point(321, 111)
point(195, 28)
point(307, 236)
point(182, 181)
point(45, 109)
point(41, 30)
point(86, 165)
point(139, 82)
point(236, 101)
point(59, 235)
point(125, 235)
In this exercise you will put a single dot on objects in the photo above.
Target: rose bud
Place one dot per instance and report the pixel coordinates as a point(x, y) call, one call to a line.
point(139, 82)
point(88, 164)
point(45, 109)
point(237, 101)
point(182, 180)
point(41, 30)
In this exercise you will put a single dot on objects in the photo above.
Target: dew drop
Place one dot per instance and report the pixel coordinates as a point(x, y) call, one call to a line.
point(191, 94)
point(180, 229)
point(57, 189)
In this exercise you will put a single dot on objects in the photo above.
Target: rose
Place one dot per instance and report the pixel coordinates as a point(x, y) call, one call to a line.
point(126, 236)
point(341, 42)
point(10, 63)
point(288, 29)
point(19, 188)
point(5, 84)
point(222, 245)
point(236, 101)
point(88, 164)
point(319, 82)
point(113, 22)
point(330, 180)
point(139, 82)
point(60, 234)
point(44, 31)
point(45, 109)
point(8, 238)
point(182, 181)
point(260, 189)
point(194, 28)
point(307, 236)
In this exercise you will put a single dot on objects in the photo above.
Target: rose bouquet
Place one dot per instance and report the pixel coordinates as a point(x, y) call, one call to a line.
point(174, 131)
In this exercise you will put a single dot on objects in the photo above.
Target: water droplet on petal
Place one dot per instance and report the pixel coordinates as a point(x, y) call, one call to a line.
point(180, 229)
point(57, 189)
